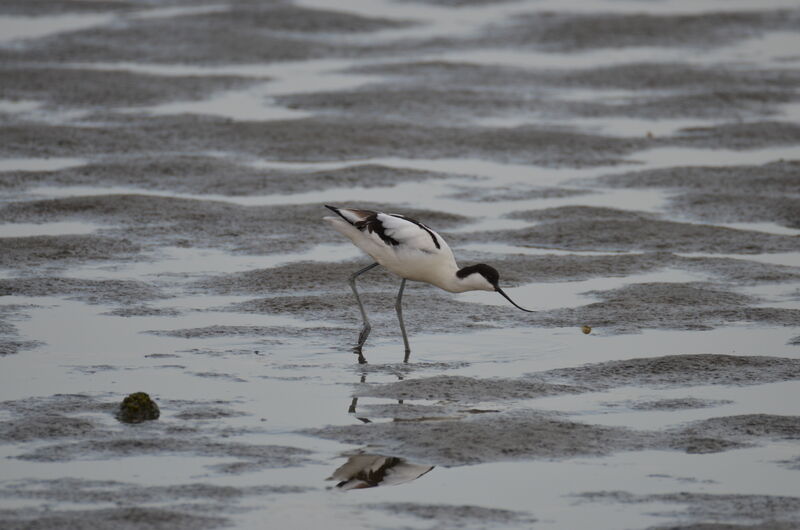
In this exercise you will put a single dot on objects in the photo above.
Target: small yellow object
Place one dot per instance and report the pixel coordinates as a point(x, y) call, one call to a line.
point(586, 329)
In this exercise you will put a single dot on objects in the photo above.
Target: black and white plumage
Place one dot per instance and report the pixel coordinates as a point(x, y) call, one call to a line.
point(412, 251)
point(369, 471)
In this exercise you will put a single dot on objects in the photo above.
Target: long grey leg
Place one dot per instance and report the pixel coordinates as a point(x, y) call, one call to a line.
point(398, 305)
point(362, 337)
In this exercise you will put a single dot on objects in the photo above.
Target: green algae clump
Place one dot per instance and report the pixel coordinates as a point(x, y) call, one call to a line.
point(136, 408)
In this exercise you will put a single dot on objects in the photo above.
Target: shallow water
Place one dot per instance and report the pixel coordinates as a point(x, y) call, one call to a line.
point(25, 27)
point(47, 229)
point(39, 164)
point(247, 350)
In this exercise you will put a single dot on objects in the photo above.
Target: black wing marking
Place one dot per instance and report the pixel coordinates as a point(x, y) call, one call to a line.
point(368, 222)
point(357, 215)
point(338, 212)
point(430, 232)
point(371, 224)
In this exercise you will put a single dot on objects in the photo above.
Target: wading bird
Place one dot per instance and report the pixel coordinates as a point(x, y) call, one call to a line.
point(412, 251)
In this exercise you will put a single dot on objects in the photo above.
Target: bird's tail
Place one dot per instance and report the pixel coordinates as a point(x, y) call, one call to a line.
point(351, 215)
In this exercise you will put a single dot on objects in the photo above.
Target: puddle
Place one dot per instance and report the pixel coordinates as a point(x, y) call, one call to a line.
point(544, 296)
point(771, 50)
point(767, 51)
point(39, 164)
point(529, 350)
point(667, 7)
point(767, 228)
point(409, 193)
point(614, 407)
point(35, 111)
point(498, 248)
point(246, 352)
point(432, 20)
point(180, 11)
point(781, 295)
point(14, 28)
point(788, 259)
point(491, 224)
point(504, 173)
point(790, 111)
point(614, 126)
point(667, 156)
point(252, 104)
point(183, 262)
point(47, 229)
point(288, 77)
point(581, 59)
point(18, 107)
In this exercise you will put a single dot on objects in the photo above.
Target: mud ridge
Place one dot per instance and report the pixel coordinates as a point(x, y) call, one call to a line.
point(81, 426)
point(706, 510)
point(677, 371)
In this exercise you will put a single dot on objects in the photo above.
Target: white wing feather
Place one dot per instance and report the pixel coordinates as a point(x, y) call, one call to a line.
point(409, 234)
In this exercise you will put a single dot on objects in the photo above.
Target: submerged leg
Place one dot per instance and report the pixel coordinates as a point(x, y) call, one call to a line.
point(362, 337)
point(398, 305)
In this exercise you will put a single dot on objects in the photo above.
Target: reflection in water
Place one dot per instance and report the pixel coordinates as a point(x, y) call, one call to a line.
point(369, 471)
point(354, 402)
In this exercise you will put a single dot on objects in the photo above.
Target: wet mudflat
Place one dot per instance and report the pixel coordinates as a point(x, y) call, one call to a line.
point(632, 170)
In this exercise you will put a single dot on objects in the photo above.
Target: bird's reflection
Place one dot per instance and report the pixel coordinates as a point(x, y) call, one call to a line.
point(369, 471)
point(354, 402)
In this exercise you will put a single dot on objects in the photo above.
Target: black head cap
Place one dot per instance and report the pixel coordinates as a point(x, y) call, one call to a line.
point(490, 273)
point(492, 276)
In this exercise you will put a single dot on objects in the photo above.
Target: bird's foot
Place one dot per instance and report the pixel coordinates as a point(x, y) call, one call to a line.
point(361, 358)
point(362, 337)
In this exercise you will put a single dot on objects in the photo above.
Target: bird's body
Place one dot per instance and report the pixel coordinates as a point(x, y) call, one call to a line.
point(403, 246)
point(412, 251)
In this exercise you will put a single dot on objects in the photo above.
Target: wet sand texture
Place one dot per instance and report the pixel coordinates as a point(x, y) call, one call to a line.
point(456, 437)
point(629, 168)
point(680, 370)
point(53, 419)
